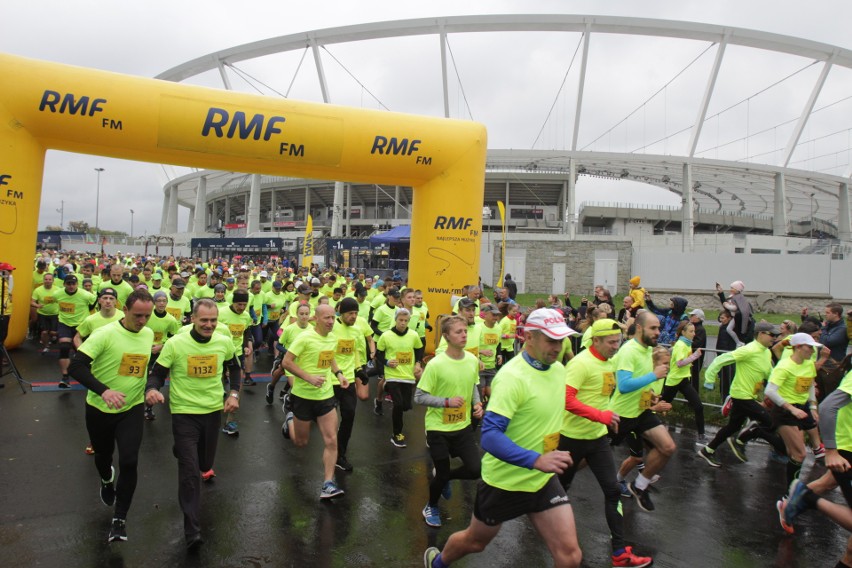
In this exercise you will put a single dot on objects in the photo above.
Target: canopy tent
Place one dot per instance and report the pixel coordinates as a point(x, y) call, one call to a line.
point(398, 235)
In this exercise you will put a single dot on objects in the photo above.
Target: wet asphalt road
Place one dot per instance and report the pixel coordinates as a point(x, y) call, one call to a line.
point(263, 507)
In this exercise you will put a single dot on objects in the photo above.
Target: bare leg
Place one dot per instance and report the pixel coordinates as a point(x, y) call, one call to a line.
point(471, 540)
point(663, 449)
point(557, 529)
point(328, 428)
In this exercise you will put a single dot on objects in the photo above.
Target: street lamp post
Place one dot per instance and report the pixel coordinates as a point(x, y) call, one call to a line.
point(131, 224)
point(98, 204)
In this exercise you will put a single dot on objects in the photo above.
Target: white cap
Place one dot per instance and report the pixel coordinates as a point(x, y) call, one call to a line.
point(549, 322)
point(264, 274)
point(699, 313)
point(803, 339)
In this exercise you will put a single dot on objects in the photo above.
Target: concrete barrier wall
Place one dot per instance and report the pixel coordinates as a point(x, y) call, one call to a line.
point(784, 274)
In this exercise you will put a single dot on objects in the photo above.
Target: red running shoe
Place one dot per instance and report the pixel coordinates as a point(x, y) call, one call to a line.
point(627, 558)
point(208, 475)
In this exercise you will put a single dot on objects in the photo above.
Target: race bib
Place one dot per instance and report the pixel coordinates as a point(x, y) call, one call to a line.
point(345, 346)
point(202, 366)
point(274, 315)
point(158, 336)
point(237, 330)
point(491, 339)
point(133, 365)
point(175, 312)
point(66, 307)
point(455, 415)
point(608, 384)
point(404, 358)
point(474, 350)
point(645, 400)
point(48, 300)
point(325, 358)
point(803, 384)
point(757, 388)
point(551, 442)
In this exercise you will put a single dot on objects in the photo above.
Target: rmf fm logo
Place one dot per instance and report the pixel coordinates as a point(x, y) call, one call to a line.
point(454, 224)
point(4, 180)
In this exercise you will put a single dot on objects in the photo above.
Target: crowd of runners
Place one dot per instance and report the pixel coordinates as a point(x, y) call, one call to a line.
point(518, 400)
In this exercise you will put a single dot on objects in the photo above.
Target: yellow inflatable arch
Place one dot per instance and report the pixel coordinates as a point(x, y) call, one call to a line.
point(47, 105)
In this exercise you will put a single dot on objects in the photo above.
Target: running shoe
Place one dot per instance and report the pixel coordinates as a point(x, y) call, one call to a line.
point(118, 530)
point(330, 490)
point(795, 503)
point(377, 407)
point(432, 516)
point(231, 429)
point(287, 404)
point(643, 498)
point(622, 487)
point(819, 453)
point(108, 489)
point(270, 393)
point(726, 406)
point(64, 383)
point(149, 413)
point(285, 428)
point(90, 451)
point(781, 506)
point(398, 440)
point(627, 558)
point(654, 479)
point(748, 424)
point(708, 457)
point(388, 398)
point(430, 555)
point(738, 448)
point(208, 475)
point(248, 382)
point(45, 351)
point(343, 463)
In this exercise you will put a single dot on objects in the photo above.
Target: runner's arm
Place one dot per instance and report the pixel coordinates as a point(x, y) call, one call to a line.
point(828, 410)
point(498, 444)
point(81, 371)
point(628, 383)
point(157, 377)
point(574, 406)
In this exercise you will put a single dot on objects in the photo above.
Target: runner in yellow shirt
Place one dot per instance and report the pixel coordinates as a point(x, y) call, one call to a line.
point(520, 435)
point(310, 359)
point(47, 310)
point(112, 365)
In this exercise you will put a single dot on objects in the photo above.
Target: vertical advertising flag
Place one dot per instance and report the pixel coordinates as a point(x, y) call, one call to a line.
point(502, 209)
point(308, 245)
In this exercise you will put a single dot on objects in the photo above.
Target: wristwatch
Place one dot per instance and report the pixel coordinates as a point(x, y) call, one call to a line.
point(235, 395)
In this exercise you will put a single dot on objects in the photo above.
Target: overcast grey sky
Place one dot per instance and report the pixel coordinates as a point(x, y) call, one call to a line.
point(146, 38)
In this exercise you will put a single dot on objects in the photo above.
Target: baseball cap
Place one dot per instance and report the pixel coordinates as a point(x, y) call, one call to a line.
point(230, 280)
point(179, 283)
point(264, 274)
point(277, 284)
point(801, 339)
point(393, 293)
point(156, 276)
point(184, 274)
point(699, 313)
point(766, 327)
point(466, 303)
point(108, 292)
point(315, 282)
point(219, 288)
point(604, 327)
point(549, 322)
point(305, 289)
point(347, 305)
point(491, 308)
point(70, 279)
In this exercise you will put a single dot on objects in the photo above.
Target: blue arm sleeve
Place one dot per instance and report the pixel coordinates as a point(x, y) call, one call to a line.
point(628, 383)
point(497, 443)
point(253, 315)
point(265, 317)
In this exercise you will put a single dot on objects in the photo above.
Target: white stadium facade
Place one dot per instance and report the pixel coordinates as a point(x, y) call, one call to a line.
point(760, 163)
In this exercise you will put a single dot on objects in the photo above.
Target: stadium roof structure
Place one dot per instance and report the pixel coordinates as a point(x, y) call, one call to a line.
point(789, 160)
